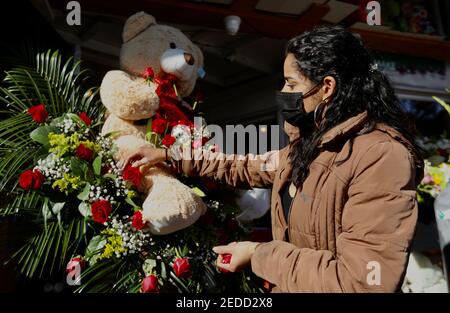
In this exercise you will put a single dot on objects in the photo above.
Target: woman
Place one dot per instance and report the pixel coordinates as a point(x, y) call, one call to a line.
point(343, 203)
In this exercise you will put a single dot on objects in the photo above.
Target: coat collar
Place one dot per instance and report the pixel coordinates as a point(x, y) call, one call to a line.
point(353, 124)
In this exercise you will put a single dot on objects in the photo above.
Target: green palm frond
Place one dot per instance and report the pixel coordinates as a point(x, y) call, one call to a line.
point(110, 276)
point(50, 249)
point(28, 202)
point(56, 84)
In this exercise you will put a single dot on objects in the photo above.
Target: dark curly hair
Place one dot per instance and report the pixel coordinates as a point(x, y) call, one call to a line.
point(334, 51)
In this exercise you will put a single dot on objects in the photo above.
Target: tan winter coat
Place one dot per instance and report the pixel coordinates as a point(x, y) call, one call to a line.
point(350, 226)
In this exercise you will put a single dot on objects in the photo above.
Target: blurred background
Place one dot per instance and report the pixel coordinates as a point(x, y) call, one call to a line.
point(243, 70)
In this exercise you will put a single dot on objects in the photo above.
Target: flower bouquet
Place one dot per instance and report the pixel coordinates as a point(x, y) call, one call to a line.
point(88, 211)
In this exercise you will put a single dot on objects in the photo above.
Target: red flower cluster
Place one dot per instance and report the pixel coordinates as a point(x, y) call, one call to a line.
point(182, 268)
point(100, 211)
point(168, 140)
point(38, 113)
point(148, 73)
point(159, 125)
point(171, 111)
point(137, 221)
point(150, 284)
point(31, 179)
point(164, 81)
point(132, 174)
point(85, 118)
point(84, 152)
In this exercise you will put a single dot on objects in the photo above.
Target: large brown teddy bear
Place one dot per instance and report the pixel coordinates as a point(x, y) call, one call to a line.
point(131, 100)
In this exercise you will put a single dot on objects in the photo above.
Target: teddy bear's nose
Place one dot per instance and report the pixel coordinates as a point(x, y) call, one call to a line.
point(189, 58)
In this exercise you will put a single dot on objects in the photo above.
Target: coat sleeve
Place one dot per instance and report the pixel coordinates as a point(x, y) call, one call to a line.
point(378, 223)
point(235, 170)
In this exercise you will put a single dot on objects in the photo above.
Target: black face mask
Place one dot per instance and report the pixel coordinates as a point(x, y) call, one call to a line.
point(293, 108)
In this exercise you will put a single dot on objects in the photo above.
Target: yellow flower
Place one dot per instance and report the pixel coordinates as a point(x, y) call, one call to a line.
point(113, 245)
point(437, 178)
point(68, 183)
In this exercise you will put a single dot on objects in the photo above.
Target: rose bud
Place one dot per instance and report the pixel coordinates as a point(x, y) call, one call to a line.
point(182, 268)
point(74, 262)
point(226, 259)
point(150, 284)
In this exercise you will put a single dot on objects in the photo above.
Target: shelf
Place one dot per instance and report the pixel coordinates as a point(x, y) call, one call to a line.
point(417, 45)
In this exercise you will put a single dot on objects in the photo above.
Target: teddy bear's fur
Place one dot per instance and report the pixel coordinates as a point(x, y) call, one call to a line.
point(169, 205)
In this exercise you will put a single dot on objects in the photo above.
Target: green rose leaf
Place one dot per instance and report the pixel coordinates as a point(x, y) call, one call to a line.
point(94, 249)
point(97, 165)
point(40, 134)
point(198, 192)
point(85, 209)
point(84, 195)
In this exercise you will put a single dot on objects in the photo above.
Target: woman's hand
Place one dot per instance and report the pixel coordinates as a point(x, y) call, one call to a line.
point(143, 156)
point(241, 254)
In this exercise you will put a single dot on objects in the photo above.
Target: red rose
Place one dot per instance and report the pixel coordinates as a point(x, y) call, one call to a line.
point(165, 78)
point(85, 118)
point(84, 152)
point(166, 90)
point(148, 73)
point(159, 125)
point(132, 174)
point(168, 140)
point(150, 284)
point(182, 268)
point(74, 262)
point(38, 113)
point(100, 211)
point(31, 179)
point(169, 109)
point(137, 221)
point(226, 259)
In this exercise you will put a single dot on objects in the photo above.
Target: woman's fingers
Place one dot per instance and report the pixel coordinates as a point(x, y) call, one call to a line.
point(222, 249)
point(140, 162)
point(122, 163)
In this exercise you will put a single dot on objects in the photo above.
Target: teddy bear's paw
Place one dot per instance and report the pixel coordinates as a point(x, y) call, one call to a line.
point(128, 97)
point(171, 206)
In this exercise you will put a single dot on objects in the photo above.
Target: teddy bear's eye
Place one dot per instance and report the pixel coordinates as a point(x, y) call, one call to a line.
point(173, 45)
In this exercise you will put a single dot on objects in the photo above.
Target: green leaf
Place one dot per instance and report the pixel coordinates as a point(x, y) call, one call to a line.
point(148, 266)
point(78, 167)
point(97, 165)
point(84, 194)
point(56, 209)
point(94, 248)
point(85, 209)
point(198, 192)
point(111, 176)
point(131, 202)
point(40, 134)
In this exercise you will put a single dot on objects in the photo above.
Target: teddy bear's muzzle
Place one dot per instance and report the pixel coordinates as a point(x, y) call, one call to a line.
point(179, 63)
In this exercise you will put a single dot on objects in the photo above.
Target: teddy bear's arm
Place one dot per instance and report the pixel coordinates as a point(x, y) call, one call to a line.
point(128, 97)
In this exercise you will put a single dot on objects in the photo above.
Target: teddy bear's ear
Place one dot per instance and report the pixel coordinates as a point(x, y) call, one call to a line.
point(136, 24)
